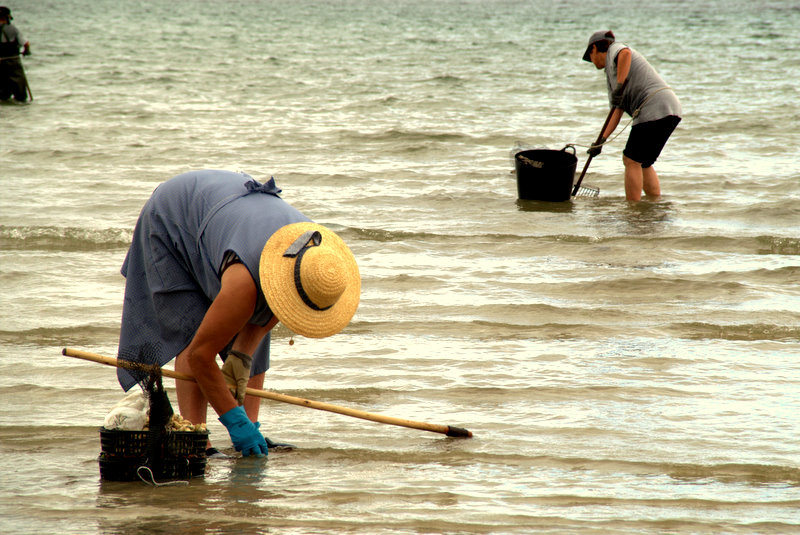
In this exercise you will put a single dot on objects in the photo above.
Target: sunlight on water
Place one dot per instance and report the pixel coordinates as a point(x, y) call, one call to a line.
point(625, 368)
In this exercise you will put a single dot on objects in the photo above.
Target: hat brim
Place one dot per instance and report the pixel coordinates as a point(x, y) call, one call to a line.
point(278, 284)
point(587, 55)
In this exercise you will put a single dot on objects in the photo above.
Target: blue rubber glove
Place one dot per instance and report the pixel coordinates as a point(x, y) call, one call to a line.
point(244, 433)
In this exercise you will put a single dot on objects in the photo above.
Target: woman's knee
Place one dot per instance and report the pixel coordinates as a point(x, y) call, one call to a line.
point(630, 163)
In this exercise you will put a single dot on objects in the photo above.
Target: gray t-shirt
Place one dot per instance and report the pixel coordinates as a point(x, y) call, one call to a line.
point(645, 90)
point(10, 40)
point(11, 33)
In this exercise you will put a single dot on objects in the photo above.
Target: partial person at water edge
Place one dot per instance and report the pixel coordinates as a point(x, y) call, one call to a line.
point(217, 260)
point(12, 76)
point(636, 88)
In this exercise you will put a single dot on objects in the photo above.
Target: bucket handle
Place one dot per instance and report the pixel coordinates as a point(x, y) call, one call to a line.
point(570, 146)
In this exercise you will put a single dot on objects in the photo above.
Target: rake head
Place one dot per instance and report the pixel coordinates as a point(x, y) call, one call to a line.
point(587, 191)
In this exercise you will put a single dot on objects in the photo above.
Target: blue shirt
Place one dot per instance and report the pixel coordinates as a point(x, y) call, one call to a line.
point(172, 268)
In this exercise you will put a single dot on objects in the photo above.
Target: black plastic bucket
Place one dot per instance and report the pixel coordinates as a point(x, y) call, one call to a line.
point(545, 175)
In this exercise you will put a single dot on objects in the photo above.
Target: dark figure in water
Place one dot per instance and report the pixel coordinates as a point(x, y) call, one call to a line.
point(12, 76)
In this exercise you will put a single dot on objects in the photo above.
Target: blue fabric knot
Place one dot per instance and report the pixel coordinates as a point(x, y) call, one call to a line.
point(268, 187)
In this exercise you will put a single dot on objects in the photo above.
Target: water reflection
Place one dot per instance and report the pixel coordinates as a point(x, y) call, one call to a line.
point(564, 207)
point(230, 494)
point(646, 217)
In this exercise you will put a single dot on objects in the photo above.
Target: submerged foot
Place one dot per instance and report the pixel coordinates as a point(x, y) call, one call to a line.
point(214, 453)
point(279, 446)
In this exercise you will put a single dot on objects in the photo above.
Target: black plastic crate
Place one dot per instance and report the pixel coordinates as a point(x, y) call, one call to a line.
point(128, 469)
point(182, 455)
point(118, 443)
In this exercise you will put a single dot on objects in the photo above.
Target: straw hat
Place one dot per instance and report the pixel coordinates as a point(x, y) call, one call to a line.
point(310, 279)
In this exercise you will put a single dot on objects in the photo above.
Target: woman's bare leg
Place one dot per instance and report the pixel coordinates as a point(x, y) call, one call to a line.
point(634, 179)
point(191, 402)
point(652, 187)
point(252, 403)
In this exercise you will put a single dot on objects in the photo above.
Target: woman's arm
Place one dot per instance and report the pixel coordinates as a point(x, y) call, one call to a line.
point(623, 60)
point(613, 123)
point(623, 65)
point(227, 316)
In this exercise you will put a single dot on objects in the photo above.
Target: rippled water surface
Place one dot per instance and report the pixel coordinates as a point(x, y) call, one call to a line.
point(625, 368)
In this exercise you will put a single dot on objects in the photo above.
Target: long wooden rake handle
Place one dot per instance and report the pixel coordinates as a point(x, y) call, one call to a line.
point(449, 430)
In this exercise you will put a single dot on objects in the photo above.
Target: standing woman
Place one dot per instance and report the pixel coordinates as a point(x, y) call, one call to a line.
point(647, 98)
point(12, 75)
point(217, 259)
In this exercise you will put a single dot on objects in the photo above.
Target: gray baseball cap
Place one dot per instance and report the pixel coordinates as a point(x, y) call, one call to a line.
point(600, 35)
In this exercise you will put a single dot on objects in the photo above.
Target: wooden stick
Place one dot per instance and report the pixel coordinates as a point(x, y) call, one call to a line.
point(449, 430)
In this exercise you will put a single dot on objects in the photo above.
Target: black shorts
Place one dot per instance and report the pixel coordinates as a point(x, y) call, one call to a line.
point(647, 140)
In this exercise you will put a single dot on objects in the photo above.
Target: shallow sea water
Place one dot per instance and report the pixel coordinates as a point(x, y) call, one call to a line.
point(625, 368)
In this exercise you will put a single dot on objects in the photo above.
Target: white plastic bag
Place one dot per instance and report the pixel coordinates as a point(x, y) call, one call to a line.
point(125, 418)
point(129, 413)
point(135, 399)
